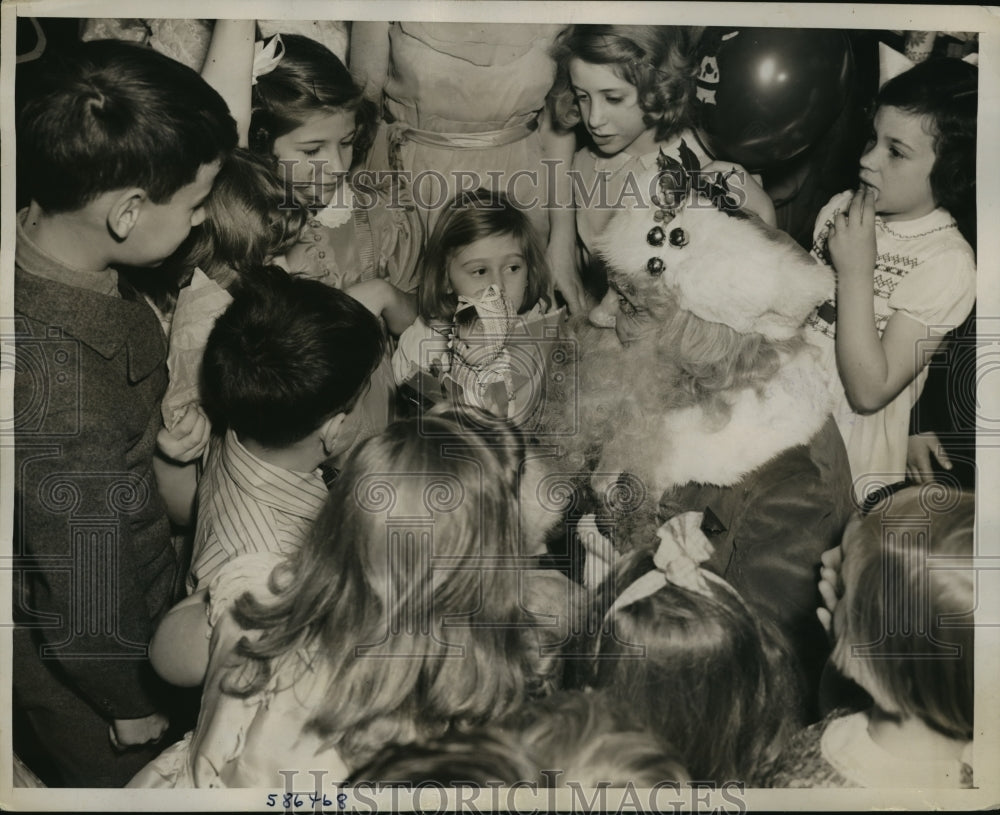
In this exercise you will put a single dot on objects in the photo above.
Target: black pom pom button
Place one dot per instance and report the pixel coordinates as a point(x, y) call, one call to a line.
point(655, 266)
point(655, 236)
point(678, 237)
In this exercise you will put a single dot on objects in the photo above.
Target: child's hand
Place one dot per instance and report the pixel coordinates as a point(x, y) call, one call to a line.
point(565, 278)
point(125, 733)
point(919, 450)
point(831, 587)
point(756, 200)
point(851, 243)
point(189, 438)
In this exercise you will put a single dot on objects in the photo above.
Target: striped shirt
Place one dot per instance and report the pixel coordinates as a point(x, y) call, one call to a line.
point(248, 505)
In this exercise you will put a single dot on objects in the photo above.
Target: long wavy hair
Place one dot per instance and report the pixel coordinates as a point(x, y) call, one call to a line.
point(406, 591)
point(658, 60)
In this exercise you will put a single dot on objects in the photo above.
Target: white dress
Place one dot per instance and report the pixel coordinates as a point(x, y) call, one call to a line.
point(924, 269)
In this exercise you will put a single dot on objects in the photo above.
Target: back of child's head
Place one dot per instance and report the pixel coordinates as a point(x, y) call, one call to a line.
point(408, 585)
point(470, 217)
point(248, 221)
point(569, 738)
point(906, 631)
point(309, 79)
point(287, 354)
point(657, 60)
point(593, 738)
point(701, 671)
point(109, 115)
point(946, 92)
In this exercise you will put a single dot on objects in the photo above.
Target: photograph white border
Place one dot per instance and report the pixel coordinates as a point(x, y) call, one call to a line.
point(985, 20)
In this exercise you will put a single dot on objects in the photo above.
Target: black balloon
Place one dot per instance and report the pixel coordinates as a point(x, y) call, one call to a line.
point(765, 95)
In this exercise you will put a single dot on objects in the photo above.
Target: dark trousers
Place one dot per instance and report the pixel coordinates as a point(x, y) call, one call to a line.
point(63, 739)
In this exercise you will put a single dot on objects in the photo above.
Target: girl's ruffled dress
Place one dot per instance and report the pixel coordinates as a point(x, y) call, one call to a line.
point(245, 742)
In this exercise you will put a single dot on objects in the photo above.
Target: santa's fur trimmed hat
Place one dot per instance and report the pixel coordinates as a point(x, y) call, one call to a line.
point(725, 267)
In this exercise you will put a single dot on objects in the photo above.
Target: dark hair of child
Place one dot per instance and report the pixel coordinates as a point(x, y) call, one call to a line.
point(714, 680)
point(247, 223)
point(468, 218)
point(286, 355)
point(308, 80)
point(946, 91)
point(111, 115)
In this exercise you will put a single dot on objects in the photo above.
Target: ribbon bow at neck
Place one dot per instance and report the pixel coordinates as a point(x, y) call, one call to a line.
point(683, 547)
point(266, 57)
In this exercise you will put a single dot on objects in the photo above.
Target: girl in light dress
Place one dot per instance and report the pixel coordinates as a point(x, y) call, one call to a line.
point(404, 613)
point(307, 117)
point(479, 338)
point(633, 88)
point(903, 231)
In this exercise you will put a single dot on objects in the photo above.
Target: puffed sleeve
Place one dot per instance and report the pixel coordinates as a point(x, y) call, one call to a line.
point(821, 231)
point(247, 573)
point(420, 348)
point(940, 292)
point(397, 234)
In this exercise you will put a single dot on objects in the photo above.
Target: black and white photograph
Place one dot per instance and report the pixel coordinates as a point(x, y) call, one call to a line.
point(499, 406)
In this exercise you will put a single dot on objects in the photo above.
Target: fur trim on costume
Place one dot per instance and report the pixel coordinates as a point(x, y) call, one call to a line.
point(792, 408)
point(725, 268)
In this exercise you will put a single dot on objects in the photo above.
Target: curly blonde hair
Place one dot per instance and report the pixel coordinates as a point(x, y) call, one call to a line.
point(658, 60)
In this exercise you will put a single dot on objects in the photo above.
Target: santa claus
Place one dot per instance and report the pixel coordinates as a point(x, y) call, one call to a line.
point(706, 397)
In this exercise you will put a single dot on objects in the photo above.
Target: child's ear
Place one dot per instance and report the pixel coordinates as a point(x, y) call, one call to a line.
point(124, 212)
point(329, 431)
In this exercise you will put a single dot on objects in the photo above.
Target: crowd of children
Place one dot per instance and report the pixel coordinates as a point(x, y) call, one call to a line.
point(255, 372)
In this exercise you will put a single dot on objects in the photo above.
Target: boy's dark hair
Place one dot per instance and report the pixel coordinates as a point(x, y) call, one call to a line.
point(111, 115)
point(946, 90)
point(287, 354)
point(309, 80)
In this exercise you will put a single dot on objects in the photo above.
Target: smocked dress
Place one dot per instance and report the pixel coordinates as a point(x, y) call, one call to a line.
point(924, 269)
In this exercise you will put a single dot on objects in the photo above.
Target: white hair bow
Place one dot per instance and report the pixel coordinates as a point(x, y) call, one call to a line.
point(683, 548)
point(266, 56)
